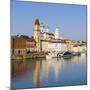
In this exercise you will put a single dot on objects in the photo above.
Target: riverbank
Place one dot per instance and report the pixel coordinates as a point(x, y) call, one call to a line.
point(28, 56)
point(37, 55)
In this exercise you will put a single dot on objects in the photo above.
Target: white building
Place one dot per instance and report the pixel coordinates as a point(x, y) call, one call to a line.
point(53, 45)
point(57, 33)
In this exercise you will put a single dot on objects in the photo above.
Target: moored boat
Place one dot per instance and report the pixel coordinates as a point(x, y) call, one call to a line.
point(52, 55)
point(67, 54)
point(76, 53)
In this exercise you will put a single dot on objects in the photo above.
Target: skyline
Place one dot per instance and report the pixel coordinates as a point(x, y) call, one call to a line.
point(71, 19)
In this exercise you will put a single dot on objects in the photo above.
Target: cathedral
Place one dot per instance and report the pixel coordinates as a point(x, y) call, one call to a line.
point(46, 41)
point(43, 41)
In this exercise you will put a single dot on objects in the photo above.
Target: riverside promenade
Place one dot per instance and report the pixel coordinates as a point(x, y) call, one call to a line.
point(28, 56)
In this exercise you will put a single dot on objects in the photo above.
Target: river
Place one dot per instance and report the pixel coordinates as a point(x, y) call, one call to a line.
point(49, 72)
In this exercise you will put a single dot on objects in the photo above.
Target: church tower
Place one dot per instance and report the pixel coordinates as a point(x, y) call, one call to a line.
point(36, 34)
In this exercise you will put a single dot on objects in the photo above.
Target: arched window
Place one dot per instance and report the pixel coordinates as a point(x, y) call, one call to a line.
point(18, 51)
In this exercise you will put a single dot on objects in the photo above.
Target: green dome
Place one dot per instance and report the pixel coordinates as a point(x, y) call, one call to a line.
point(42, 25)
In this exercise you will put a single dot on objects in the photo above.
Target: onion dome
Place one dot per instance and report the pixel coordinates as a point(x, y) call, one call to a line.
point(42, 25)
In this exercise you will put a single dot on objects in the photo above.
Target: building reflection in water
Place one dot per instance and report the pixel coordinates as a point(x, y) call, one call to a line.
point(49, 65)
point(39, 68)
point(37, 73)
point(43, 69)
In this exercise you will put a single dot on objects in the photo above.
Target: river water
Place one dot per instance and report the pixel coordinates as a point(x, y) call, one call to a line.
point(49, 72)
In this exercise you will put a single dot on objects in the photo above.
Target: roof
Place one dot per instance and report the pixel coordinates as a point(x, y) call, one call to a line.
point(24, 37)
point(79, 45)
point(31, 39)
point(50, 34)
point(37, 22)
point(42, 25)
point(54, 41)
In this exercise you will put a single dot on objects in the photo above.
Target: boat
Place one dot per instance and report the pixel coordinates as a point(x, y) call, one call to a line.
point(67, 54)
point(52, 55)
point(76, 53)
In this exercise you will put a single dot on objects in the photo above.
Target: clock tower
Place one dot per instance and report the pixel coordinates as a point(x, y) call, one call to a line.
point(36, 34)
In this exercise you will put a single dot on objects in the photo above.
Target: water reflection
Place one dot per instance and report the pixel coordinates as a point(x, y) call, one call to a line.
point(53, 72)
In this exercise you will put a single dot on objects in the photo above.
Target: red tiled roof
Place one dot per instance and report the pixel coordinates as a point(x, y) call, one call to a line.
point(37, 22)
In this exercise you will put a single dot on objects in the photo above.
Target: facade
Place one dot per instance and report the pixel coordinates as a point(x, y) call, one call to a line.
point(22, 45)
point(46, 41)
point(42, 40)
point(79, 48)
point(50, 36)
point(31, 45)
point(18, 45)
point(36, 34)
point(54, 45)
point(76, 46)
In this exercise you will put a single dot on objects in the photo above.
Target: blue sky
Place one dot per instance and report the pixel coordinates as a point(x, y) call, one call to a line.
point(71, 19)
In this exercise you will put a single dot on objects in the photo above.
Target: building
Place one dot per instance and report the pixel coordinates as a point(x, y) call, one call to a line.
point(46, 41)
point(54, 45)
point(79, 48)
point(57, 33)
point(22, 44)
point(31, 45)
point(42, 40)
point(36, 34)
point(18, 45)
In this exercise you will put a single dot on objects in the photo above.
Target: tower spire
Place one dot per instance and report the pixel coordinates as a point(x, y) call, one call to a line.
point(36, 33)
point(37, 22)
